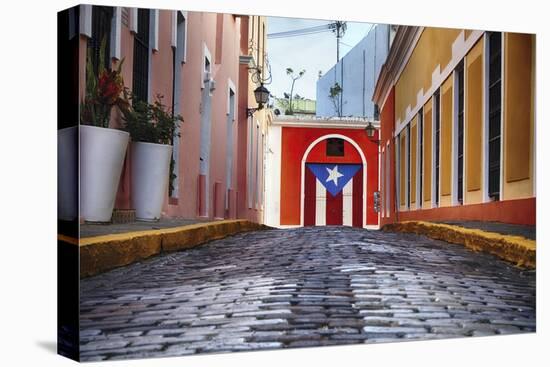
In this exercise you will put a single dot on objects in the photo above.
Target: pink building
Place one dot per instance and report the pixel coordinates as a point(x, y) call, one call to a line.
point(200, 63)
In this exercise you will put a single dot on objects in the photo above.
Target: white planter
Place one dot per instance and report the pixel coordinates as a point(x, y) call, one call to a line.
point(67, 173)
point(150, 176)
point(102, 152)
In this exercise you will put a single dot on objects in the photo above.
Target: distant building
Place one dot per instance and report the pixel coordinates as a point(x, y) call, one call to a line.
point(300, 107)
point(321, 172)
point(356, 74)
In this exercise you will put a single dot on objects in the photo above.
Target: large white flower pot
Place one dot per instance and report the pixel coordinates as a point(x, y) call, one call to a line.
point(150, 175)
point(67, 173)
point(102, 152)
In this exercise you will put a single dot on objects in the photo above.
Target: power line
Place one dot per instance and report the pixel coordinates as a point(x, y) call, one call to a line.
point(297, 32)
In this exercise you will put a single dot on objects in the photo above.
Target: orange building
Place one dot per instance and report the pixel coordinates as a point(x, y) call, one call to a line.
point(458, 126)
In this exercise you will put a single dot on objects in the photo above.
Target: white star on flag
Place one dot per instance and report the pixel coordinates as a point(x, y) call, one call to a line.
point(333, 175)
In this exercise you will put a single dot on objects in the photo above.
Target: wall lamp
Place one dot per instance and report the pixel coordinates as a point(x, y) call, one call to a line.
point(262, 97)
point(371, 130)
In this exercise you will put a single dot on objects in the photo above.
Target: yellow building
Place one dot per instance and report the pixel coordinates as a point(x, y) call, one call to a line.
point(253, 72)
point(461, 108)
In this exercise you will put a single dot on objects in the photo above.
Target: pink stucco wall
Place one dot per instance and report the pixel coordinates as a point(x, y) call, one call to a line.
point(202, 31)
point(225, 36)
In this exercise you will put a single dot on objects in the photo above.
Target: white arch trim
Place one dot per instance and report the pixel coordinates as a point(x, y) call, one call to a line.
point(302, 180)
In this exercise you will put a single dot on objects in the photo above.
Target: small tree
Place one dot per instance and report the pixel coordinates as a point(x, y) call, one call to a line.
point(334, 95)
point(294, 77)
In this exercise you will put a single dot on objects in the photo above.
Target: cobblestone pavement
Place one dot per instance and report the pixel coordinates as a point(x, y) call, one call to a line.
point(302, 287)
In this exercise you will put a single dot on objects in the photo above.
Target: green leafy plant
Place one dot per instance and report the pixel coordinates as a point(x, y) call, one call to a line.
point(173, 175)
point(103, 91)
point(284, 103)
point(334, 95)
point(152, 122)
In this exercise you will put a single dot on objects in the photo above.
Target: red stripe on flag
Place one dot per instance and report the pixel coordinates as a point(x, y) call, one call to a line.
point(358, 199)
point(334, 209)
point(309, 198)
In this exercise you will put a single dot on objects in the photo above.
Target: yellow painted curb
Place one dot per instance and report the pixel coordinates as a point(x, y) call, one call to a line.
point(67, 239)
point(101, 253)
point(515, 249)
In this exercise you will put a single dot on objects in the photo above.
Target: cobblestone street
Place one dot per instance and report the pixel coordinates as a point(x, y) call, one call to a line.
point(303, 287)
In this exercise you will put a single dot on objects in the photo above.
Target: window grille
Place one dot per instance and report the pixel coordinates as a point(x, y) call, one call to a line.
point(141, 57)
point(460, 133)
point(437, 143)
point(420, 154)
point(101, 30)
point(409, 165)
point(495, 68)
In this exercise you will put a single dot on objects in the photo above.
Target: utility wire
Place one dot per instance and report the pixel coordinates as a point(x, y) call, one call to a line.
point(296, 32)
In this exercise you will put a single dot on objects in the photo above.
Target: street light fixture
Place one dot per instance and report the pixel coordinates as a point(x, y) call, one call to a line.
point(370, 129)
point(261, 94)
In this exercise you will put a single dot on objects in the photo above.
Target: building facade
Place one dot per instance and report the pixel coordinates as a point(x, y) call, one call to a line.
point(321, 172)
point(201, 64)
point(458, 126)
point(356, 74)
point(253, 124)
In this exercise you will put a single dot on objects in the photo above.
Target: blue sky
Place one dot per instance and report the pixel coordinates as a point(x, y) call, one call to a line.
point(310, 52)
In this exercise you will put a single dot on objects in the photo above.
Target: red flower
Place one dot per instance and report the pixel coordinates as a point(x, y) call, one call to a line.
point(109, 87)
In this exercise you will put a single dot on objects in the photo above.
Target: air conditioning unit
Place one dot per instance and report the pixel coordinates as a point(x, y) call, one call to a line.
point(212, 85)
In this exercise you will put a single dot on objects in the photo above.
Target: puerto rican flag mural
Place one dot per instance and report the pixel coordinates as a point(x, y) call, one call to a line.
point(333, 194)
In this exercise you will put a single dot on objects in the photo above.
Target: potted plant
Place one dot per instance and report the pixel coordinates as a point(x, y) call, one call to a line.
point(152, 128)
point(102, 149)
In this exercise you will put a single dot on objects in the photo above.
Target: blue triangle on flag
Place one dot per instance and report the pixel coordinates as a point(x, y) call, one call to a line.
point(333, 176)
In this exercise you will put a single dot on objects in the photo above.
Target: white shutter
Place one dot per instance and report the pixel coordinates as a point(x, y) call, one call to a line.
point(133, 20)
point(154, 31)
point(86, 20)
point(116, 25)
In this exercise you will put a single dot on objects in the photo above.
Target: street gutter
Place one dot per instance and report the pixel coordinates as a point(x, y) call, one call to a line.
point(515, 249)
point(102, 253)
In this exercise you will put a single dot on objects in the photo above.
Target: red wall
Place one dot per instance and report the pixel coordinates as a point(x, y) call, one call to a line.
point(295, 141)
point(387, 118)
point(521, 211)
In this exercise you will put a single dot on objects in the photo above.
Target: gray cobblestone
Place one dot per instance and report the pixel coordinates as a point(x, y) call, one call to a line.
point(300, 288)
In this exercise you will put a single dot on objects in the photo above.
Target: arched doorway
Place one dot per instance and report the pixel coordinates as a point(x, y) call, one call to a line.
point(333, 183)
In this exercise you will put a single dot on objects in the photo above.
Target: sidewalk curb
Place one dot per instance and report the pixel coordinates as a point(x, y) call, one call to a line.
point(515, 249)
point(102, 253)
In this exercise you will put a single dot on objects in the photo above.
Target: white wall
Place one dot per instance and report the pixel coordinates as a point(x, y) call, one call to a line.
point(273, 176)
point(361, 66)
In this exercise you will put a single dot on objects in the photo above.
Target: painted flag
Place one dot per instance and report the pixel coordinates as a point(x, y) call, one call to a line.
point(333, 194)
